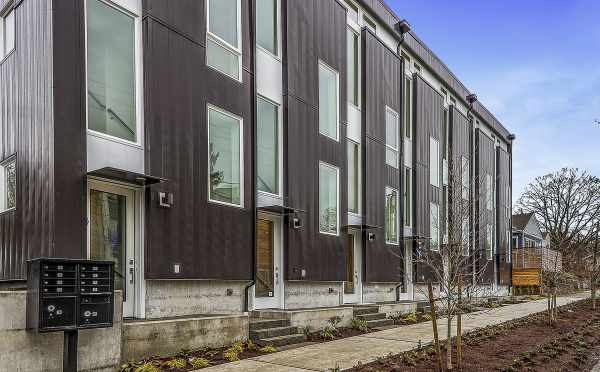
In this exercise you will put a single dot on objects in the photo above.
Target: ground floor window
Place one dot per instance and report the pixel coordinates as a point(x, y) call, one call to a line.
point(391, 215)
point(328, 199)
point(8, 184)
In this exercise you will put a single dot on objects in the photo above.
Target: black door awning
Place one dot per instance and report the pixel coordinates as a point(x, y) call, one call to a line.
point(126, 176)
point(362, 227)
point(279, 209)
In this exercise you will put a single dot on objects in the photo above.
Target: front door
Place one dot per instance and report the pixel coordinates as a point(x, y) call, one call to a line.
point(269, 278)
point(353, 283)
point(111, 234)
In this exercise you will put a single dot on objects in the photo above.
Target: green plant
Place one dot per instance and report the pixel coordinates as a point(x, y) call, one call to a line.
point(143, 366)
point(410, 317)
point(199, 362)
point(306, 330)
point(251, 346)
point(426, 317)
point(359, 325)
point(230, 355)
point(176, 362)
point(268, 349)
point(328, 332)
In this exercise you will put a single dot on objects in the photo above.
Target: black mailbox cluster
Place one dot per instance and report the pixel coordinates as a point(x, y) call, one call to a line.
point(68, 294)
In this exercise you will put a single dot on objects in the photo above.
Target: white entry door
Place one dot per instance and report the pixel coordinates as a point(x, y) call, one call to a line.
point(353, 283)
point(268, 290)
point(111, 234)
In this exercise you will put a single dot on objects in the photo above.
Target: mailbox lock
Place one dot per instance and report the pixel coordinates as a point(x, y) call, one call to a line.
point(51, 308)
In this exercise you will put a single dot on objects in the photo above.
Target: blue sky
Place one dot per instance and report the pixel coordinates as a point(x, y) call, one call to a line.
point(535, 64)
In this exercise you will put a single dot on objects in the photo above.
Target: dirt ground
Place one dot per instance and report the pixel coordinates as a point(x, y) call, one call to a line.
point(527, 344)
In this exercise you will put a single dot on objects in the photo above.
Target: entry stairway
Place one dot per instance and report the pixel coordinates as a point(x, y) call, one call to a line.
point(274, 332)
point(372, 316)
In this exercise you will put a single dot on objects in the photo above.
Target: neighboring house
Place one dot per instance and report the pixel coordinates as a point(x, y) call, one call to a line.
point(237, 155)
point(526, 231)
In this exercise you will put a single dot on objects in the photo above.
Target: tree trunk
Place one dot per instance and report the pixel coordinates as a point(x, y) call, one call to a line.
point(436, 339)
point(459, 326)
point(449, 342)
point(594, 273)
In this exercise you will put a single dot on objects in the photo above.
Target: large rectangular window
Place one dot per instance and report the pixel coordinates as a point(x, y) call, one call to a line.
point(8, 184)
point(7, 32)
point(111, 71)
point(353, 67)
point(267, 35)
point(407, 197)
point(353, 177)
point(391, 215)
point(434, 226)
point(328, 101)
point(267, 146)
point(392, 126)
point(225, 155)
point(407, 107)
point(328, 199)
point(223, 37)
point(465, 177)
point(434, 162)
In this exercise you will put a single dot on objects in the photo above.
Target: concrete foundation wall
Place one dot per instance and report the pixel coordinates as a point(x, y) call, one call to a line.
point(169, 298)
point(166, 337)
point(314, 318)
point(397, 308)
point(27, 350)
point(301, 295)
point(379, 292)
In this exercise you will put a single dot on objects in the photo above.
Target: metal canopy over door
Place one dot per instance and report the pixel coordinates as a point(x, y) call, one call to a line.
point(111, 235)
point(269, 279)
point(353, 283)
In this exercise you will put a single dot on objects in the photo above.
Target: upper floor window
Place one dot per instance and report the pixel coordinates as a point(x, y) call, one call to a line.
point(8, 184)
point(408, 99)
point(434, 162)
point(352, 11)
point(453, 101)
point(370, 24)
point(112, 72)
point(7, 32)
point(353, 67)
point(225, 157)
point(328, 199)
point(391, 215)
point(328, 101)
point(353, 177)
point(465, 240)
point(434, 226)
point(223, 37)
point(407, 197)
point(465, 173)
point(489, 192)
point(267, 146)
point(490, 241)
point(267, 20)
point(417, 68)
point(392, 124)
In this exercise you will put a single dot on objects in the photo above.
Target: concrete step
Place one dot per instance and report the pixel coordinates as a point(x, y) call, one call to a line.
point(379, 323)
point(362, 310)
point(260, 323)
point(260, 334)
point(283, 340)
point(372, 316)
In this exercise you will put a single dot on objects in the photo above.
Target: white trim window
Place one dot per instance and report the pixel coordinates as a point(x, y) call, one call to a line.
point(8, 184)
point(434, 226)
point(489, 241)
point(391, 216)
point(465, 238)
point(114, 76)
point(352, 11)
point(392, 137)
point(225, 157)
point(369, 23)
point(224, 37)
point(267, 26)
point(7, 31)
point(407, 197)
point(353, 49)
point(408, 99)
point(465, 179)
point(329, 201)
point(329, 102)
point(434, 162)
point(268, 147)
point(354, 177)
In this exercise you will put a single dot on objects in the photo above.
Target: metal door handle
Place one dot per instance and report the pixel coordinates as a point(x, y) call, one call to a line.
point(131, 272)
point(276, 278)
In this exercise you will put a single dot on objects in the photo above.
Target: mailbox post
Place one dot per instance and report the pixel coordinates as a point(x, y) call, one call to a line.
point(68, 295)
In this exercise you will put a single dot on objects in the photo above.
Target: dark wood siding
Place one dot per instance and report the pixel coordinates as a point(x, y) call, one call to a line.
point(382, 86)
point(503, 214)
point(211, 241)
point(484, 165)
point(313, 30)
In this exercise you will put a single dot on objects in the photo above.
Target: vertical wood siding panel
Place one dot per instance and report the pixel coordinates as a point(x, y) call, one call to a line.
point(485, 154)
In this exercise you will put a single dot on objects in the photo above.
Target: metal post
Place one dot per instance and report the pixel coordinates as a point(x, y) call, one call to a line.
point(70, 351)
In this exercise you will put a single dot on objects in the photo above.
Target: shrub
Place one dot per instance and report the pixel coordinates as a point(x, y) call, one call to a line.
point(306, 330)
point(231, 355)
point(199, 362)
point(268, 349)
point(426, 317)
point(143, 366)
point(173, 363)
point(328, 332)
point(410, 317)
point(251, 346)
point(359, 325)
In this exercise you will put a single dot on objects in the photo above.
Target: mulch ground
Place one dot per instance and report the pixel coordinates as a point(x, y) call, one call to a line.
point(526, 344)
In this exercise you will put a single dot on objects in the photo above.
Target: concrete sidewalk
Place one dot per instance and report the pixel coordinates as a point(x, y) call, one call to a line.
point(346, 353)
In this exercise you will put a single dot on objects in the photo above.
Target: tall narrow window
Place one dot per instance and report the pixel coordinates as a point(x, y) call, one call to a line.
point(465, 176)
point(353, 71)
point(489, 193)
point(392, 123)
point(267, 146)
point(225, 157)
point(267, 35)
point(8, 184)
point(434, 226)
point(328, 102)
point(490, 241)
point(407, 197)
point(391, 215)
point(353, 177)
point(352, 11)
point(434, 162)
point(465, 238)
point(408, 107)
point(328, 199)
point(111, 71)
point(7, 32)
point(223, 41)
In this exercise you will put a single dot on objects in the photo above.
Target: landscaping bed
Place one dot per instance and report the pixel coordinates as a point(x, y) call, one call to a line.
point(526, 344)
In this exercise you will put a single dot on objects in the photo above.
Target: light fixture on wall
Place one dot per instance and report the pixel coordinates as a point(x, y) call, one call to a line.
point(296, 223)
point(371, 236)
point(165, 199)
point(472, 98)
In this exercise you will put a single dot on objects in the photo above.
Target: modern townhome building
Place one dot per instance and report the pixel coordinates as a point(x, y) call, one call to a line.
point(234, 156)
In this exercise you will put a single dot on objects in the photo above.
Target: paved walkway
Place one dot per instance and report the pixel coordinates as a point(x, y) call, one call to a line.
point(346, 353)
